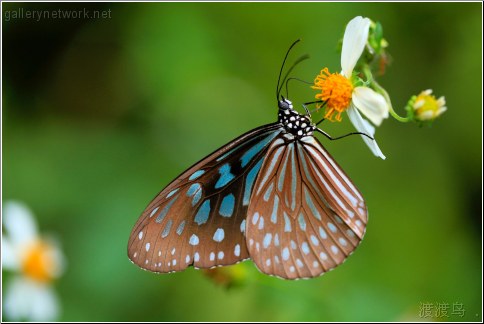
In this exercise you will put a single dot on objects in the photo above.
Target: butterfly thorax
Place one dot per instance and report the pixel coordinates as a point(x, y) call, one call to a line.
point(293, 122)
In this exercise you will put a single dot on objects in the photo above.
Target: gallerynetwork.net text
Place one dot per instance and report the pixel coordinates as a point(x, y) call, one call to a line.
point(38, 15)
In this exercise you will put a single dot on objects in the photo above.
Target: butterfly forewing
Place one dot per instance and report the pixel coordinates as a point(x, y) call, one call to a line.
point(305, 215)
point(199, 218)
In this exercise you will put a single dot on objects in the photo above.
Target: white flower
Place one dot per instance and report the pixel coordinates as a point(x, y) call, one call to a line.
point(364, 99)
point(36, 261)
point(339, 93)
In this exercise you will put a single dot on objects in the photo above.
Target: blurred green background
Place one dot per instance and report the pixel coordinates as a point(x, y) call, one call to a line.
point(100, 114)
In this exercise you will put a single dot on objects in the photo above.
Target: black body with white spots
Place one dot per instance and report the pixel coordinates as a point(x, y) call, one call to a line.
point(293, 122)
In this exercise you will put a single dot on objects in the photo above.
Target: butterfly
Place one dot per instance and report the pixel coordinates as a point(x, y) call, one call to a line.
point(273, 195)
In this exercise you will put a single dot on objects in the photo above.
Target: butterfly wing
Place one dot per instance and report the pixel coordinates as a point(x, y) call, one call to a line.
point(199, 218)
point(305, 216)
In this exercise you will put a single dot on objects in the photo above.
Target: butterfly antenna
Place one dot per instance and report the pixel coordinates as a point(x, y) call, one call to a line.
point(282, 67)
point(299, 60)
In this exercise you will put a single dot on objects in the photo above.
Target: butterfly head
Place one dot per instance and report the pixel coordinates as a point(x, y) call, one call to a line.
point(293, 122)
point(285, 104)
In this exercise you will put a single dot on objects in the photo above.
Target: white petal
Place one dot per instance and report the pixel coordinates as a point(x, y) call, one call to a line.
point(441, 101)
point(354, 40)
point(364, 126)
point(426, 115)
point(16, 300)
point(441, 110)
point(19, 223)
point(29, 300)
point(419, 103)
point(371, 104)
point(10, 255)
point(45, 305)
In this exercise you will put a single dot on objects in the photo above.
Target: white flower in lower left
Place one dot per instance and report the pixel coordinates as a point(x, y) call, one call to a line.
point(36, 261)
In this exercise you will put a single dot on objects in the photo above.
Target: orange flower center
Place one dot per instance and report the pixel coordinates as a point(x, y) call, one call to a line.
point(336, 92)
point(39, 263)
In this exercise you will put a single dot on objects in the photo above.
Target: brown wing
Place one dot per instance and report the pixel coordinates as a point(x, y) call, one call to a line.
point(305, 215)
point(199, 218)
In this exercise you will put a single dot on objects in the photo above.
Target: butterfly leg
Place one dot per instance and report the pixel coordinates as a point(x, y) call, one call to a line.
point(319, 122)
point(340, 137)
point(308, 113)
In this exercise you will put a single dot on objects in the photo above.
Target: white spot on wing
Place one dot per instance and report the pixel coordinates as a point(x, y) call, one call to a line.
point(305, 248)
point(219, 235)
point(154, 211)
point(342, 241)
point(322, 233)
point(285, 254)
point(334, 249)
point(276, 239)
point(314, 240)
point(331, 227)
point(299, 263)
point(194, 240)
point(255, 218)
point(268, 192)
point(267, 240)
point(287, 223)
point(261, 223)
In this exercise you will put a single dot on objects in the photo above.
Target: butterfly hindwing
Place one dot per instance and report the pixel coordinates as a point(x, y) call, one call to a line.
point(199, 218)
point(305, 215)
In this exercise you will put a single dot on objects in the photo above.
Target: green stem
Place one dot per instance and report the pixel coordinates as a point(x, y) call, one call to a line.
point(379, 89)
